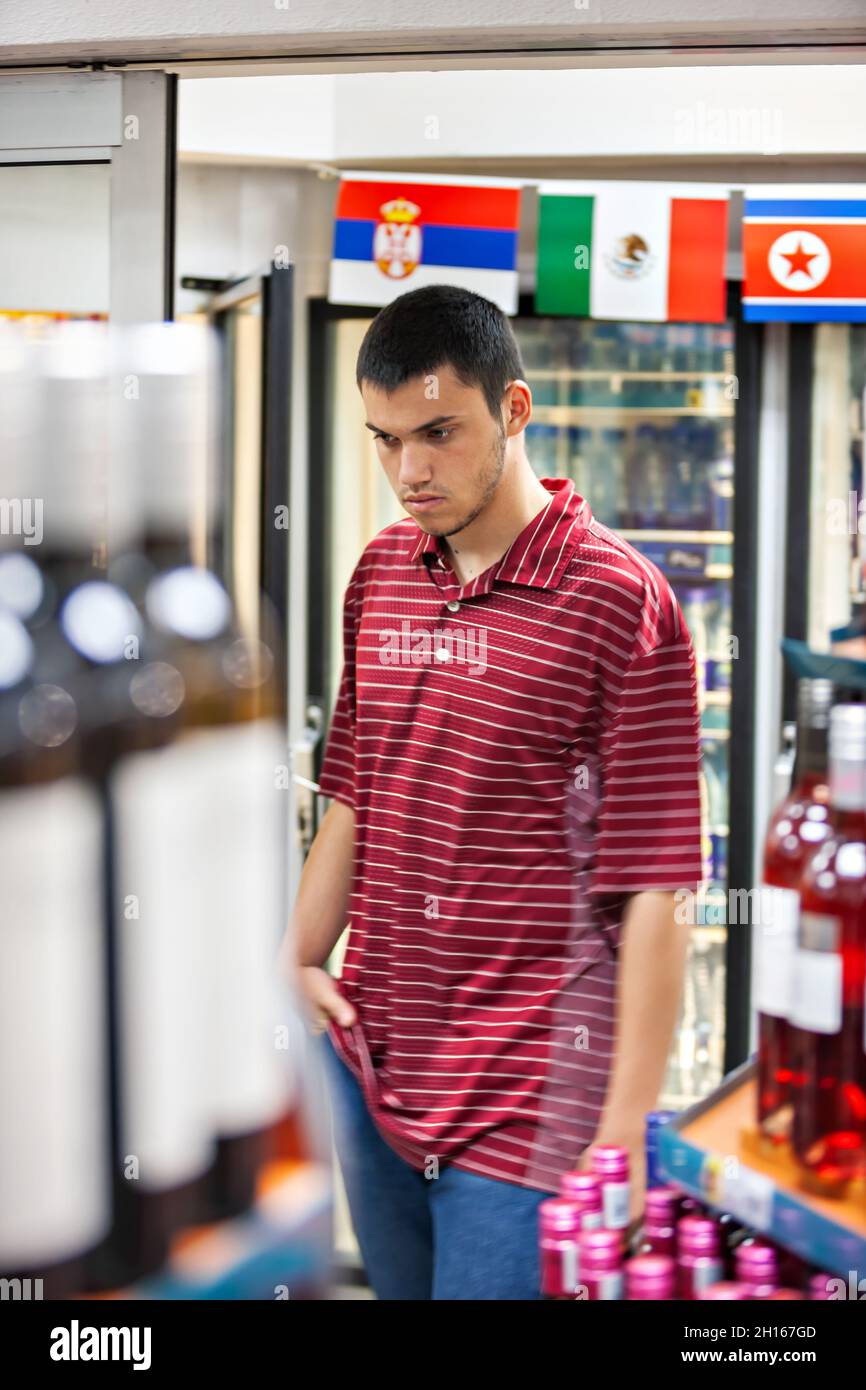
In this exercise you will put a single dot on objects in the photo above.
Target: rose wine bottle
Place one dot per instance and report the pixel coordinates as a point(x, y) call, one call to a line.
point(801, 822)
point(829, 1074)
point(699, 1255)
point(559, 1223)
point(610, 1163)
point(601, 1265)
point(757, 1266)
point(661, 1211)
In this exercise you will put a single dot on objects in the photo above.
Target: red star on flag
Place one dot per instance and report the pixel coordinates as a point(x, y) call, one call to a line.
point(798, 260)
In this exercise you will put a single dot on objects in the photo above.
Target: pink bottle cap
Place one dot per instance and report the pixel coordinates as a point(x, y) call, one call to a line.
point(578, 1187)
point(558, 1217)
point(650, 1276)
point(662, 1204)
point(756, 1262)
point(610, 1161)
point(697, 1235)
point(600, 1249)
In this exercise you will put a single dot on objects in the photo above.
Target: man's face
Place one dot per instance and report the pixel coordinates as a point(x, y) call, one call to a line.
point(443, 457)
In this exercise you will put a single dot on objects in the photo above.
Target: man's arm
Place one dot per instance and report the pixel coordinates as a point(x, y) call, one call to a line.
point(652, 960)
point(319, 917)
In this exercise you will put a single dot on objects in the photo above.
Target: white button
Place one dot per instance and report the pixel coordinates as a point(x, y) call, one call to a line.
point(443, 654)
point(452, 606)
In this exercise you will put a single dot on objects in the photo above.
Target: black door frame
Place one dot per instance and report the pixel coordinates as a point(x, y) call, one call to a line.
point(274, 287)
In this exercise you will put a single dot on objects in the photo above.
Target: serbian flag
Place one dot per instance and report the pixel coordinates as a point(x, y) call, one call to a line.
point(650, 252)
point(394, 234)
point(805, 254)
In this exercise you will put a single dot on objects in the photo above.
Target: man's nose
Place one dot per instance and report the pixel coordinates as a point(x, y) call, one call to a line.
point(414, 466)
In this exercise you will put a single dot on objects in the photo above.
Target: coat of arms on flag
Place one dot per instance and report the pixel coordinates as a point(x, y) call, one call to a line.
point(805, 254)
point(397, 238)
point(395, 234)
point(633, 251)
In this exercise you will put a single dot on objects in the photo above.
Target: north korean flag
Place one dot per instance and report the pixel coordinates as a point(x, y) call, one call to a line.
point(805, 254)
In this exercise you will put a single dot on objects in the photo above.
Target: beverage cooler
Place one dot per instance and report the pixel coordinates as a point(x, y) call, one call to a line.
point(656, 424)
point(826, 565)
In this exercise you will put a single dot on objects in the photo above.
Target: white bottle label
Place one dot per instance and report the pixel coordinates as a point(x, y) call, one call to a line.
point(54, 1138)
point(569, 1268)
point(817, 1001)
point(246, 826)
point(774, 946)
point(609, 1286)
point(161, 866)
point(705, 1272)
point(201, 831)
point(615, 1200)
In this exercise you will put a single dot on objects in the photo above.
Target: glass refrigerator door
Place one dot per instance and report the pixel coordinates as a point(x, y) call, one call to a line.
point(837, 506)
point(640, 416)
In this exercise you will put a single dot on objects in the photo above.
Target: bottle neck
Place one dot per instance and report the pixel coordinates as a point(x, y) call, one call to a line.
point(848, 787)
point(810, 762)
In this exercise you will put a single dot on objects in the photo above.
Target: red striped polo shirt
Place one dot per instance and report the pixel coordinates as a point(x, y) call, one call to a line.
point(522, 753)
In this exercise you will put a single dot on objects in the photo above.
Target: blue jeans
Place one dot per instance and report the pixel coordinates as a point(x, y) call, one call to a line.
point(457, 1236)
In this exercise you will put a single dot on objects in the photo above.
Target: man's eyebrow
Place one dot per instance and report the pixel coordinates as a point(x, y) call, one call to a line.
point(429, 424)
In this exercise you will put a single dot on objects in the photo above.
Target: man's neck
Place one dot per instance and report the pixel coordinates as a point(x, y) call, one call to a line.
point(517, 501)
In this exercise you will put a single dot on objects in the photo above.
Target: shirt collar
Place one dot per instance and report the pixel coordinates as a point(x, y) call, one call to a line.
point(539, 554)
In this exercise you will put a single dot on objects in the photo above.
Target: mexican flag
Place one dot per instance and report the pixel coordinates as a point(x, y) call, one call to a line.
point(645, 251)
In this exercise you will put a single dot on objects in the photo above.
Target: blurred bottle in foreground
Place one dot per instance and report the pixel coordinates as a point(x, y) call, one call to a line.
point(828, 1081)
point(54, 1094)
point(797, 826)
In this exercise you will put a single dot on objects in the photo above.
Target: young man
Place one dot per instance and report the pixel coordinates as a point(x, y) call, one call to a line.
point(513, 762)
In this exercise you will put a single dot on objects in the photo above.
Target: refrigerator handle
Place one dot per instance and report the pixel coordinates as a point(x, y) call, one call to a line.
point(306, 788)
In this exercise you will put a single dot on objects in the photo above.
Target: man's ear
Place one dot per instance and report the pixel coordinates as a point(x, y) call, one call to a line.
point(518, 407)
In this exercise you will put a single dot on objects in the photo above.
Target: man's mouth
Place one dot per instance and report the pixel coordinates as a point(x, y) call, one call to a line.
point(423, 501)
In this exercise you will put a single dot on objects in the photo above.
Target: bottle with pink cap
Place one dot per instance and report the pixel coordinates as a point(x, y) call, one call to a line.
point(651, 1277)
point(757, 1266)
point(584, 1189)
point(559, 1230)
point(659, 1234)
point(610, 1162)
point(699, 1255)
point(601, 1273)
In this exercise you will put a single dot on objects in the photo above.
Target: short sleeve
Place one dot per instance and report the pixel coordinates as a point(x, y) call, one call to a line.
point(337, 776)
point(649, 825)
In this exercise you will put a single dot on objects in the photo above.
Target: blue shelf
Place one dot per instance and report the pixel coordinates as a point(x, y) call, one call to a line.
point(707, 1151)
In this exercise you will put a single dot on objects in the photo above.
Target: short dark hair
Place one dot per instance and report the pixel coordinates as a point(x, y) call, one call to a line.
point(437, 326)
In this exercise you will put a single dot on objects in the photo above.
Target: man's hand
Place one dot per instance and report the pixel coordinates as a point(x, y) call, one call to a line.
point(321, 1000)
